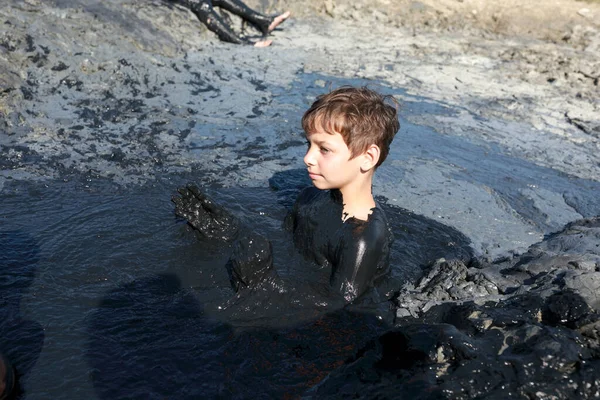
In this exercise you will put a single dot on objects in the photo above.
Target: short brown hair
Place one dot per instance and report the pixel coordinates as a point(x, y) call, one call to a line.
point(362, 116)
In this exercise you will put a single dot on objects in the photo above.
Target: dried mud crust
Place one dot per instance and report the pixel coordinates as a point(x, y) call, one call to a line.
point(554, 20)
point(567, 33)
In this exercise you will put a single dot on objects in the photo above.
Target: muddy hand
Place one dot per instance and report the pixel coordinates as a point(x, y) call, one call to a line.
point(251, 261)
point(203, 214)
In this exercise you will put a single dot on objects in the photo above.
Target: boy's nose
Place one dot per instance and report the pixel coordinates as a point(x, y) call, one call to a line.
point(309, 159)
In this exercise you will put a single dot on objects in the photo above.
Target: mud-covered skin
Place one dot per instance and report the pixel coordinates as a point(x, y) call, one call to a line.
point(356, 251)
point(251, 261)
point(208, 218)
point(204, 10)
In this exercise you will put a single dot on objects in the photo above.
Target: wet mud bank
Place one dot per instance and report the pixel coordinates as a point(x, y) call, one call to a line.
point(491, 187)
point(524, 328)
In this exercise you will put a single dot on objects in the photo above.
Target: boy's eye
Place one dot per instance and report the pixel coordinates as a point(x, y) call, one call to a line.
point(324, 150)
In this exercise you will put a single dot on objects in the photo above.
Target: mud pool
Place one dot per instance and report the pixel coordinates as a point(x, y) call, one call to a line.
point(110, 296)
point(106, 295)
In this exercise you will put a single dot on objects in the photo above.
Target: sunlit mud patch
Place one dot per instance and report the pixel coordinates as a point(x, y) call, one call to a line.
point(108, 111)
point(120, 122)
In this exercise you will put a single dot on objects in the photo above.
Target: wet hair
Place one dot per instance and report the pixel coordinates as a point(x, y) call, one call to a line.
point(362, 116)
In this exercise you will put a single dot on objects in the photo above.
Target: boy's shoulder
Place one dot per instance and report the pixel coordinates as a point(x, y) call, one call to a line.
point(309, 194)
point(379, 224)
point(376, 229)
point(312, 196)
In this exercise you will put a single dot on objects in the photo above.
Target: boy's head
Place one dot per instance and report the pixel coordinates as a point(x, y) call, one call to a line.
point(361, 116)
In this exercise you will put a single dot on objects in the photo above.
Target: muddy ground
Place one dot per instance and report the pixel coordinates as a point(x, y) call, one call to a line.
point(521, 77)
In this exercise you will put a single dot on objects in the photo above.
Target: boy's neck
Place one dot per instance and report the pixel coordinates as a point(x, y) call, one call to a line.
point(358, 200)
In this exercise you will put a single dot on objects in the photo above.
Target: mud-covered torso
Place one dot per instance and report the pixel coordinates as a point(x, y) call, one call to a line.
point(356, 251)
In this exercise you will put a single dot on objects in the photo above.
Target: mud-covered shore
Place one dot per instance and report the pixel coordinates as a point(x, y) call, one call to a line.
point(500, 143)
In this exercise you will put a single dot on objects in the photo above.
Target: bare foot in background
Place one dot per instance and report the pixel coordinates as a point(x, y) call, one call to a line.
point(278, 20)
point(263, 43)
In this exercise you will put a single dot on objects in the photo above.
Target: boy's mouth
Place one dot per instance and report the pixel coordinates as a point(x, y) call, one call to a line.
point(312, 175)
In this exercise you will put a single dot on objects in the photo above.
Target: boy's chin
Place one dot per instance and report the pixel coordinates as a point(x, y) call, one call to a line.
point(321, 185)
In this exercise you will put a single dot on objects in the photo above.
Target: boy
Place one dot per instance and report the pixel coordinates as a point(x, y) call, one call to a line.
point(336, 223)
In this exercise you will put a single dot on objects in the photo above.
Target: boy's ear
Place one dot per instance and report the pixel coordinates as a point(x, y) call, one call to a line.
point(370, 158)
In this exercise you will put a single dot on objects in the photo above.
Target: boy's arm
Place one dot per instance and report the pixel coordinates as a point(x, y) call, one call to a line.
point(359, 261)
point(304, 197)
point(251, 261)
point(204, 215)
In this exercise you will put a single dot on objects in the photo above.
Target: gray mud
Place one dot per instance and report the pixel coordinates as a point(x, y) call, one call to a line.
point(118, 101)
point(132, 100)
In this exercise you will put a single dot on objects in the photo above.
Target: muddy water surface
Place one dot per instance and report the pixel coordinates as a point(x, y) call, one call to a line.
point(122, 300)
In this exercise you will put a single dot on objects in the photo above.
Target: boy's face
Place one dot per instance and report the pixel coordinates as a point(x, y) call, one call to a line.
point(328, 161)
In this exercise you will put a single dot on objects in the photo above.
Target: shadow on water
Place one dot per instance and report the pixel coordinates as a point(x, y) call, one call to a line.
point(21, 340)
point(151, 339)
